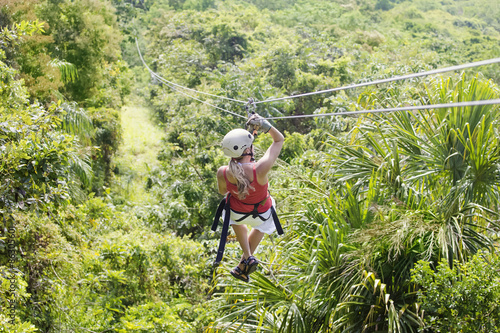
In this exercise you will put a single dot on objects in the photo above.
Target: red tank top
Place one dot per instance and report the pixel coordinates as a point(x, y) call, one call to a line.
point(257, 195)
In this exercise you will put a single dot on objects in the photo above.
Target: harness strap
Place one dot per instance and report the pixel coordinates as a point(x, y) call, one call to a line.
point(218, 214)
point(255, 212)
point(247, 215)
point(276, 220)
point(225, 227)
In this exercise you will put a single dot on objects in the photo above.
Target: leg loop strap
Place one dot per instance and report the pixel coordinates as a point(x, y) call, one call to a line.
point(225, 227)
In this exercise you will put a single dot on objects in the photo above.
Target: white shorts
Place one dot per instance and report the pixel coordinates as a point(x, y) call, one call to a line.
point(267, 226)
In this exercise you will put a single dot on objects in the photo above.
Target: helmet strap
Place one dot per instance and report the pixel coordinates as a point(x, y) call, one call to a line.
point(249, 154)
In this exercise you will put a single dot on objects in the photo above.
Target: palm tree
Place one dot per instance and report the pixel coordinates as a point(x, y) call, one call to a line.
point(437, 175)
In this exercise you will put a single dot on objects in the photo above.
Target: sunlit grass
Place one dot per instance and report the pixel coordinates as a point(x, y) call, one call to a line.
point(137, 154)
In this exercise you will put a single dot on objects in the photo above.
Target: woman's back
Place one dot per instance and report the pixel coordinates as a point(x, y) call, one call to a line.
point(262, 168)
point(248, 169)
point(257, 194)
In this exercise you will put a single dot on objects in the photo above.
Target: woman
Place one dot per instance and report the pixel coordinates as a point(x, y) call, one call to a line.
point(245, 181)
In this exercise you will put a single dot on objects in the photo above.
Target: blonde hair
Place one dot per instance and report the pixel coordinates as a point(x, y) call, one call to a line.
point(242, 182)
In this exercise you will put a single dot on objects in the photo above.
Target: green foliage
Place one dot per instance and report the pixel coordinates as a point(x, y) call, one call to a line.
point(410, 168)
point(42, 65)
point(294, 146)
point(156, 317)
point(84, 36)
point(37, 147)
point(187, 199)
point(87, 43)
point(40, 76)
point(94, 267)
point(106, 138)
point(35, 158)
point(41, 167)
point(24, 47)
point(6, 326)
point(395, 158)
point(68, 70)
point(44, 252)
point(114, 86)
point(282, 69)
point(463, 298)
point(11, 280)
point(224, 43)
point(11, 41)
point(384, 5)
point(199, 5)
point(35, 131)
point(274, 5)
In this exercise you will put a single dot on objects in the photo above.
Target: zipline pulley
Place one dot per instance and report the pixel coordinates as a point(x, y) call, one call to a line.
point(250, 107)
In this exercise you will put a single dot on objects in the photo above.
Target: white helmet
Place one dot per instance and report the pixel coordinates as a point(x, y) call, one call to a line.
point(236, 141)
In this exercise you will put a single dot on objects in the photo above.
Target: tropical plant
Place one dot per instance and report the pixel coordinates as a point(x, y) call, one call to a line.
point(462, 298)
point(433, 199)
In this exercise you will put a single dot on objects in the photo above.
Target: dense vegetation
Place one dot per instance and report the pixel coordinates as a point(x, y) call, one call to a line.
point(391, 220)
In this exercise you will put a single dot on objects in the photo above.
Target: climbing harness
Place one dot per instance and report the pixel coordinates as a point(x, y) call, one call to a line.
point(225, 206)
point(254, 213)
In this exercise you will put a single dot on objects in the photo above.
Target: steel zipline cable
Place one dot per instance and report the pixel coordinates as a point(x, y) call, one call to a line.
point(177, 88)
point(403, 108)
point(395, 78)
point(171, 86)
point(197, 99)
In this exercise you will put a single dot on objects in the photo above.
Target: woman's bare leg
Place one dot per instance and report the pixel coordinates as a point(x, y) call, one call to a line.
point(254, 239)
point(241, 235)
point(248, 244)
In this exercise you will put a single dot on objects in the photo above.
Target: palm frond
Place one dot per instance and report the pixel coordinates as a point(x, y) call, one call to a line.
point(69, 72)
point(81, 166)
point(76, 121)
point(370, 306)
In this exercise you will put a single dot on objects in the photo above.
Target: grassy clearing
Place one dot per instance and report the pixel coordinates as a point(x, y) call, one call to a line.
point(137, 154)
